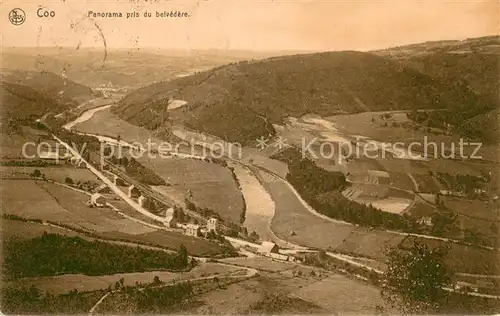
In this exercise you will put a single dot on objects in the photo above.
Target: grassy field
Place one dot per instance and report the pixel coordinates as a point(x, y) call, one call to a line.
point(421, 209)
point(291, 216)
point(22, 230)
point(313, 231)
point(171, 240)
point(261, 263)
point(64, 283)
point(401, 180)
point(212, 185)
point(55, 203)
point(56, 173)
point(465, 259)
point(371, 124)
point(381, 197)
point(427, 183)
point(341, 294)
point(51, 202)
point(205, 180)
point(106, 123)
point(279, 289)
point(11, 146)
point(372, 245)
point(488, 211)
point(488, 228)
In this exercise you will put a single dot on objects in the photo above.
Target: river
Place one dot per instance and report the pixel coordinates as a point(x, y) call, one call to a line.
point(85, 116)
point(259, 204)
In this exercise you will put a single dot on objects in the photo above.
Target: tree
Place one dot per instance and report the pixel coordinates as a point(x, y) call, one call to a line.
point(182, 256)
point(156, 280)
point(68, 180)
point(36, 173)
point(415, 278)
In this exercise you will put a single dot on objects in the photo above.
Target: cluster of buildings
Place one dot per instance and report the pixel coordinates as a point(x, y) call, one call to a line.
point(213, 225)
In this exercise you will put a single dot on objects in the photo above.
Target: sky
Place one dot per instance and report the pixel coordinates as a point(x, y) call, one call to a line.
point(259, 25)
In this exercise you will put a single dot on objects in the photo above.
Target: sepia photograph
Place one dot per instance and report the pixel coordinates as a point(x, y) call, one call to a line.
point(250, 157)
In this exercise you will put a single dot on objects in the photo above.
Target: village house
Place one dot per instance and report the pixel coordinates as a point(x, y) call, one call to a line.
point(426, 220)
point(193, 230)
point(213, 225)
point(452, 193)
point(268, 247)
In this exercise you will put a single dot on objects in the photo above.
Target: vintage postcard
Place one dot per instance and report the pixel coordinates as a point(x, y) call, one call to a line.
point(249, 157)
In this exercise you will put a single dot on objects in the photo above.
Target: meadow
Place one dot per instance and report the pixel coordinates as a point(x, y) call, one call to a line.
point(211, 185)
point(463, 258)
point(56, 173)
point(51, 202)
point(61, 284)
point(294, 223)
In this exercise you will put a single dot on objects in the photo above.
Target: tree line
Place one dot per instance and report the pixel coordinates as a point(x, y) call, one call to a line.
point(53, 254)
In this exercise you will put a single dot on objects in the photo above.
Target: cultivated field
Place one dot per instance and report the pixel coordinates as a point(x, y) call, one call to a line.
point(384, 198)
point(206, 181)
point(51, 202)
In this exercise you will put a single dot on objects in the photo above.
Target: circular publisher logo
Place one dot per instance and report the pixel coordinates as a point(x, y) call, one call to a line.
point(17, 16)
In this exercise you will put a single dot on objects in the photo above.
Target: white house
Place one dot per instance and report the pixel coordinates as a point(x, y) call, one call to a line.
point(427, 221)
point(213, 225)
point(193, 230)
point(268, 247)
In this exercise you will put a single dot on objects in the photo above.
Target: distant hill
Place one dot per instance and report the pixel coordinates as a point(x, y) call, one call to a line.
point(238, 102)
point(19, 101)
point(60, 89)
point(31, 95)
point(472, 64)
point(123, 69)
